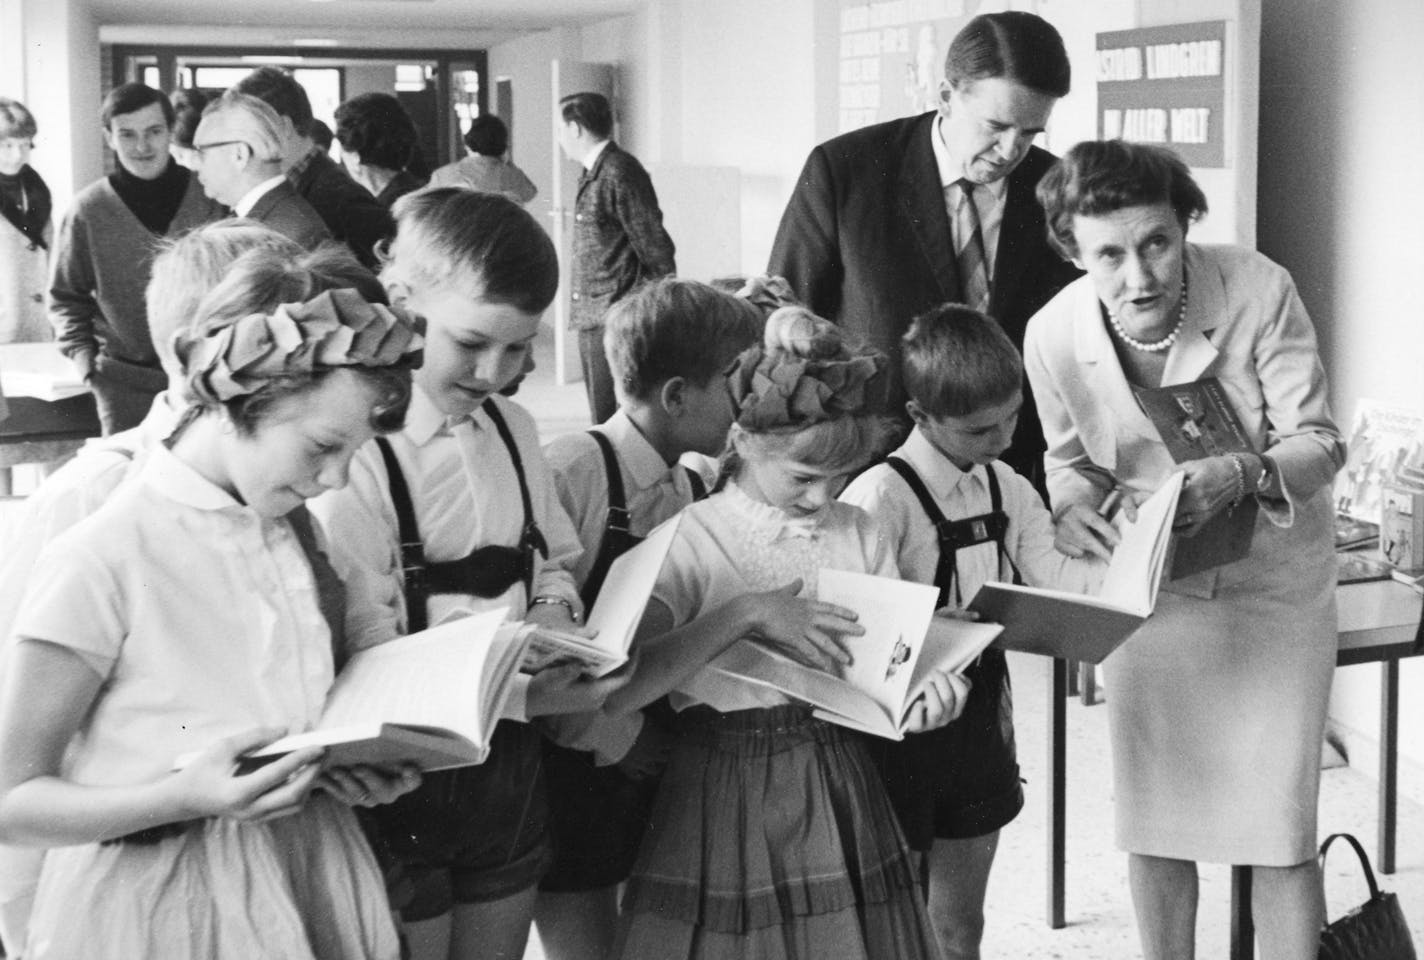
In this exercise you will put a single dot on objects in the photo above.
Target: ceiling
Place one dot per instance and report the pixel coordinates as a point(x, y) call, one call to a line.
point(348, 22)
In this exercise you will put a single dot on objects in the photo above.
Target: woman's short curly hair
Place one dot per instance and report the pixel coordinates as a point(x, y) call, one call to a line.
point(376, 128)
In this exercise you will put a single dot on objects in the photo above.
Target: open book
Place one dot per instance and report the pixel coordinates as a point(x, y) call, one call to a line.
point(904, 643)
point(431, 698)
point(1080, 627)
point(615, 615)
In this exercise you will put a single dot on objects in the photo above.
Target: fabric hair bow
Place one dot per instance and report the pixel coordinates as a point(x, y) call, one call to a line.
point(338, 328)
point(778, 391)
point(768, 293)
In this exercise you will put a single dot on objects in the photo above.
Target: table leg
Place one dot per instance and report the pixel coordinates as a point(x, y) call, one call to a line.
point(1388, 763)
point(1088, 683)
point(1057, 777)
point(1243, 929)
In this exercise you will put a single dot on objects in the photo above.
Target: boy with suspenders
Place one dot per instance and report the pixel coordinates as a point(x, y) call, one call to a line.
point(957, 517)
point(669, 346)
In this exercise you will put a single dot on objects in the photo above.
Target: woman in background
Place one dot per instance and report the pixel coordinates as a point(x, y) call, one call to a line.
point(378, 140)
point(26, 233)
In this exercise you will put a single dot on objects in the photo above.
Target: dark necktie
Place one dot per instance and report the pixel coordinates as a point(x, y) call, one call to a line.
point(969, 247)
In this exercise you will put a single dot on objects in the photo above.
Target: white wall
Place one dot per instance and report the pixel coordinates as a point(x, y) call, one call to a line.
point(51, 48)
point(1341, 203)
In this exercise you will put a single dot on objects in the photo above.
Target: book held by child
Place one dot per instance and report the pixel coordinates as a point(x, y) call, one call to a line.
point(904, 642)
point(1087, 628)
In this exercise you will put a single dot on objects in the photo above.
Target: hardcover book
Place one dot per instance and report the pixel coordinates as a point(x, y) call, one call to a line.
point(1076, 626)
point(904, 642)
point(1196, 420)
point(615, 615)
point(1401, 529)
point(431, 698)
point(1386, 444)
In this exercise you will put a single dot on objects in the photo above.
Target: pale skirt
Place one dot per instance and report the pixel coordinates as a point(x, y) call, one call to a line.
point(1217, 711)
point(300, 887)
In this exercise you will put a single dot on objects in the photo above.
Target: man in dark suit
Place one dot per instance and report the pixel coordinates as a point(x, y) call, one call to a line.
point(238, 152)
point(619, 240)
point(868, 238)
point(885, 223)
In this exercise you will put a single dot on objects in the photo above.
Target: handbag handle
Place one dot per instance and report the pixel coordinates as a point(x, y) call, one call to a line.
point(1360, 852)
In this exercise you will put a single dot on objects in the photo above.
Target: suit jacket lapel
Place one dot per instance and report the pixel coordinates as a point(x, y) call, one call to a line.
point(1194, 350)
point(922, 202)
point(1102, 373)
point(1015, 234)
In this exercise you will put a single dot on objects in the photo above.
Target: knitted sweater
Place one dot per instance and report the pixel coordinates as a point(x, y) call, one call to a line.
point(102, 258)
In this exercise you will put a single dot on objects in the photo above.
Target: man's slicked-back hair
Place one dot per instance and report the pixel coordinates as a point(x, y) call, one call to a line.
point(958, 360)
point(591, 111)
point(1021, 47)
point(131, 97)
point(281, 91)
point(481, 243)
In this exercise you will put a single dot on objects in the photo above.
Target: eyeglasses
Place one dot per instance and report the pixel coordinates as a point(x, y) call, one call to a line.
point(198, 148)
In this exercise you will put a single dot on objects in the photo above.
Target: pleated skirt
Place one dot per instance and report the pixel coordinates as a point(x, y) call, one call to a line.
point(772, 837)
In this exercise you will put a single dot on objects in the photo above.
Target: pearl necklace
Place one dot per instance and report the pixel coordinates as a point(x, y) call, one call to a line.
point(1156, 346)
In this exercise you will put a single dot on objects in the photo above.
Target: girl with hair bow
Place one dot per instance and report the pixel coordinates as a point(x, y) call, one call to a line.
point(772, 835)
point(184, 615)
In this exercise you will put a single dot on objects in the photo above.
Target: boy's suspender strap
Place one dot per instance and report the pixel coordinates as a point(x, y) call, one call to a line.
point(945, 569)
point(532, 539)
point(411, 546)
point(698, 485)
point(956, 534)
point(617, 536)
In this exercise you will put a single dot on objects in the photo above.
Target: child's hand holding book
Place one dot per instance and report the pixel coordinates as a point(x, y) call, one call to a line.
point(808, 631)
point(216, 784)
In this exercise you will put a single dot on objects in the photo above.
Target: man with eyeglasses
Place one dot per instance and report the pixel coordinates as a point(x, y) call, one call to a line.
point(106, 244)
point(238, 156)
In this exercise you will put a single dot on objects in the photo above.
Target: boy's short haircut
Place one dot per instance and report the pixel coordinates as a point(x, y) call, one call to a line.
point(481, 243)
point(131, 98)
point(487, 136)
point(676, 328)
point(958, 360)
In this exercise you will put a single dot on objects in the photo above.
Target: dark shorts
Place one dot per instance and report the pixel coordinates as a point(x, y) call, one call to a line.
point(598, 818)
point(469, 835)
point(961, 780)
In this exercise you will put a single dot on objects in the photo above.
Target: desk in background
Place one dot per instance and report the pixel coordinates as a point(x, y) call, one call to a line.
point(48, 415)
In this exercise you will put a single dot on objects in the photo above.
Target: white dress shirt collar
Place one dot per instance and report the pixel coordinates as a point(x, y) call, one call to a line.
point(951, 167)
point(594, 153)
point(249, 199)
point(937, 471)
point(644, 464)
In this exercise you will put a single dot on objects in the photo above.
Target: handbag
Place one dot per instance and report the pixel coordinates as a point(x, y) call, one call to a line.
point(1375, 930)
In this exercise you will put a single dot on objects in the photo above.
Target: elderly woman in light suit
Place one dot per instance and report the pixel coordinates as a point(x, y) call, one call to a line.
point(1218, 703)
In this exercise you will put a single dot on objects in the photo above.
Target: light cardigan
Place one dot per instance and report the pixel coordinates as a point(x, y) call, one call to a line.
point(1245, 325)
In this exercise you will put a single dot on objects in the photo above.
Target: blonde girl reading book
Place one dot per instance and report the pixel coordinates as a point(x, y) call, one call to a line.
point(183, 616)
point(772, 835)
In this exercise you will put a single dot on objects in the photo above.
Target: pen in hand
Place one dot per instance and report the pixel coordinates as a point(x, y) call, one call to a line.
point(1110, 503)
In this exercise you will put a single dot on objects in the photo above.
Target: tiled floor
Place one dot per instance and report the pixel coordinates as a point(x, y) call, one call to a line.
point(1100, 924)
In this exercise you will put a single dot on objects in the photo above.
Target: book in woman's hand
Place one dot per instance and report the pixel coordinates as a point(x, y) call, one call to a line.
point(1075, 626)
point(431, 699)
point(1196, 420)
point(903, 644)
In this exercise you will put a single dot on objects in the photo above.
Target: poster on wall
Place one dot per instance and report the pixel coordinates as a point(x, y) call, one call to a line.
point(892, 56)
point(1165, 85)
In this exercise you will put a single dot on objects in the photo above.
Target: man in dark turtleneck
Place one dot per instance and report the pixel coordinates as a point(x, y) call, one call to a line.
point(105, 247)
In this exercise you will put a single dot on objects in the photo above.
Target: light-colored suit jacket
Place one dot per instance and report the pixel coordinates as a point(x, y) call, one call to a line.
point(1245, 325)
